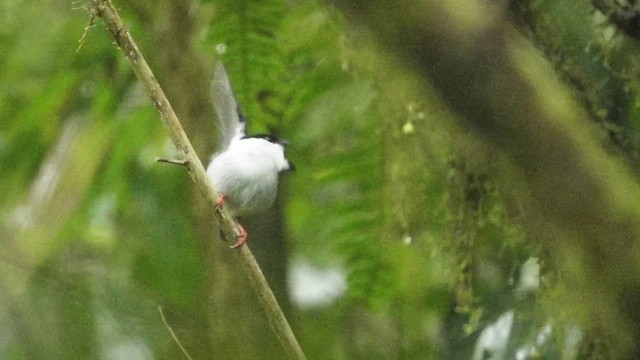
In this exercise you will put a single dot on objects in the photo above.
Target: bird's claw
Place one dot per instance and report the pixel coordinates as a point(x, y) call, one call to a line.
point(242, 236)
point(241, 233)
point(220, 202)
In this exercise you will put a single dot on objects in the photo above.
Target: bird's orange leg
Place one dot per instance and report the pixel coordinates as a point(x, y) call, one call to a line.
point(242, 236)
point(220, 202)
point(242, 233)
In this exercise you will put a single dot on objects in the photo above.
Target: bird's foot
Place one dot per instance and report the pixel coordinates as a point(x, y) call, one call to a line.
point(242, 236)
point(220, 202)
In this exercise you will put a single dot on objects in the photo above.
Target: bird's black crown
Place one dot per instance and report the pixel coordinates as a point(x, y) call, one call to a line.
point(270, 138)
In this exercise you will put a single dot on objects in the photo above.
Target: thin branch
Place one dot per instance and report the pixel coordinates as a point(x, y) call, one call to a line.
point(173, 334)
point(172, 161)
point(87, 28)
point(105, 10)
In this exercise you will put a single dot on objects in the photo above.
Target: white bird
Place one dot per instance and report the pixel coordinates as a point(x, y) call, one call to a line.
point(245, 168)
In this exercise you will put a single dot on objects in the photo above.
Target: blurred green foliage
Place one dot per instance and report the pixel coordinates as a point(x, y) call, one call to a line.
point(425, 220)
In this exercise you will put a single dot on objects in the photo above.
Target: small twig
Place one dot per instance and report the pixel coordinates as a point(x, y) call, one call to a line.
point(173, 161)
point(93, 15)
point(173, 334)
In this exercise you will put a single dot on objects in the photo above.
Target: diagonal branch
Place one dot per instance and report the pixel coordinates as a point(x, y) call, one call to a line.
point(105, 10)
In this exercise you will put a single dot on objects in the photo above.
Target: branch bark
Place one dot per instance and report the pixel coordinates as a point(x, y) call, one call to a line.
point(188, 158)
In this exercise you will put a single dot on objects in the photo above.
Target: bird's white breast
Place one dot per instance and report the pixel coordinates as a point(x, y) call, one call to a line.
point(247, 175)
